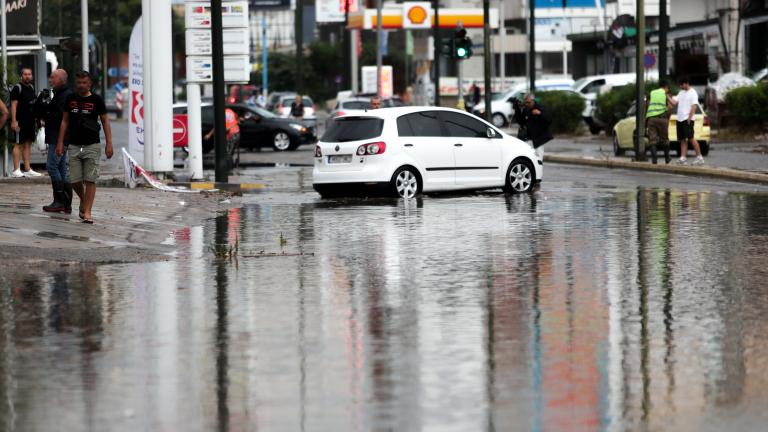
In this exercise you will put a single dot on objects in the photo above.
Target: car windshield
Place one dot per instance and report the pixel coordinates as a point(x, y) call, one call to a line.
point(306, 101)
point(345, 129)
point(579, 84)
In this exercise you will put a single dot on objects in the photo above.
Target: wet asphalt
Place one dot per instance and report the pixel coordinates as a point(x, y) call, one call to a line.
point(605, 300)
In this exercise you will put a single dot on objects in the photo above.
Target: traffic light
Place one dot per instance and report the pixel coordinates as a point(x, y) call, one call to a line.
point(462, 45)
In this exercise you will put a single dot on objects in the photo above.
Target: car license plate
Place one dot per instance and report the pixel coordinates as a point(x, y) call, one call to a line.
point(339, 159)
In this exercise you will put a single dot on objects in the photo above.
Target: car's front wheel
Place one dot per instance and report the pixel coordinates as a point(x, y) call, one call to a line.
point(281, 141)
point(520, 177)
point(405, 183)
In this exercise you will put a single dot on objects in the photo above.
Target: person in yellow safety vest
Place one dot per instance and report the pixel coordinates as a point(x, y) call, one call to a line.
point(657, 120)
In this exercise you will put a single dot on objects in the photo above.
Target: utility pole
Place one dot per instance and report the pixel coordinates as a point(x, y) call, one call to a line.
point(299, 30)
point(663, 29)
point(84, 28)
point(502, 45)
point(532, 45)
point(487, 57)
point(4, 38)
point(378, 47)
point(346, 38)
point(437, 44)
point(639, 74)
point(219, 122)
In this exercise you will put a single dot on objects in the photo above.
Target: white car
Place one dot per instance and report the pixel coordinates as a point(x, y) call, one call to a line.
point(501, 104)
point(592, 86)
point(408, 150)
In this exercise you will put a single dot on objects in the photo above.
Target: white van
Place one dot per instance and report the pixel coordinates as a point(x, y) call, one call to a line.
point(590, 87)
point(501, 106)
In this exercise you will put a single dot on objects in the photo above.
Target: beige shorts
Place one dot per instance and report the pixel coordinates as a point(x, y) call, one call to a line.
point(84, 162)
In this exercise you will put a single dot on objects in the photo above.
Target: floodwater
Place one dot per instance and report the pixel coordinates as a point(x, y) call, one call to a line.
point(588, 305)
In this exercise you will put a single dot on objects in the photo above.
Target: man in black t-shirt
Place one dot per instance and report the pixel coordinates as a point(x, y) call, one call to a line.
point(51, 109)
point(82, 113)
point(297, 108)
point(23, 123)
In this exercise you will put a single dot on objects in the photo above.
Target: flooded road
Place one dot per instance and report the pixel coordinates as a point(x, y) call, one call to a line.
point(604, 301)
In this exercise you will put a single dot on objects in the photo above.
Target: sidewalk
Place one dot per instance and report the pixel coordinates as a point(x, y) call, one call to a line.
point(131, 225)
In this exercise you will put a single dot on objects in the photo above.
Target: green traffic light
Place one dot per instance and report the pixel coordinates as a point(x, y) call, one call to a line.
point(461, 52)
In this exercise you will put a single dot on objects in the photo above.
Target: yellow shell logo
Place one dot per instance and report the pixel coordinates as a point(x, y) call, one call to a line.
point(417, 15)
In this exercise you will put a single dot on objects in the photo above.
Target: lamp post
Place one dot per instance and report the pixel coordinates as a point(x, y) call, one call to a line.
point(84, 26)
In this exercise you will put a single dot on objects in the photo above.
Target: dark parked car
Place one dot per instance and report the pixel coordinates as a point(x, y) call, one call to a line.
point(258, 128)
point(261, 128)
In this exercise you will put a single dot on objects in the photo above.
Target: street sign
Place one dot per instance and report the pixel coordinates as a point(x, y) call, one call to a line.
point(649, 60)
point(417, 15)
point(180, 130)
point(233, 14)
point(327, 11)
point(236, 42)
point(237, 69)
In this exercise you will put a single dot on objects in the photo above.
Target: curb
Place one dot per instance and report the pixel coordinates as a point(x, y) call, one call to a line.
point(227, 187)
point(703, 171)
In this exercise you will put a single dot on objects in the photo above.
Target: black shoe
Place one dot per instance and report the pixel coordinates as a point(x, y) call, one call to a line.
point(57, 206)
point(67, 196)
point(653, 155)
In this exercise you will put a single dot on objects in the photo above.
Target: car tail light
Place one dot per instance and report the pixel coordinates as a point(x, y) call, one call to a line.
point(340, 113)
point(371, 149)
point(318, 152)
point(706, 120)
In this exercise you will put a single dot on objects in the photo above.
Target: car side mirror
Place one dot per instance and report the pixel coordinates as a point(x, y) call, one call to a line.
point(490, 133)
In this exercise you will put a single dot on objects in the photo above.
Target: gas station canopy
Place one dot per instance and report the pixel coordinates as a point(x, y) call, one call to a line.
point(416, 16)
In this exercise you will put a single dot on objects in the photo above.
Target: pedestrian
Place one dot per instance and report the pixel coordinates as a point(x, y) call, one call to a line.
point(297, 108)
point(232, 126)
point(252, 100)
point(23, 124)
point(657, 120)
point(375, 102)
point(687, 103)
point(51, 109)
point(536, 121)
point(261, 101)
point(475, 94)
point(4, 114)
point(80, 119)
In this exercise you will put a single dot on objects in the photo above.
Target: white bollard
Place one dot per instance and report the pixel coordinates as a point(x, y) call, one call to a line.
point(194, 132)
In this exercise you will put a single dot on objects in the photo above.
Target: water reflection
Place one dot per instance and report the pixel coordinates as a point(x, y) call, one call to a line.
point(604, 309)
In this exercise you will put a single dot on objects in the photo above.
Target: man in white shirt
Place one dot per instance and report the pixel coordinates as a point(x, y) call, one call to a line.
point(687, 102)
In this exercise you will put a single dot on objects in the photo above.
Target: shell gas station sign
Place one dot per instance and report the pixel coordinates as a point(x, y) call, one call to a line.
point(420, 15)
point(417, 15)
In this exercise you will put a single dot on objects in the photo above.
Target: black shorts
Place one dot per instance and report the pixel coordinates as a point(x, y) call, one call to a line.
point(684, 130)
point(26, 131)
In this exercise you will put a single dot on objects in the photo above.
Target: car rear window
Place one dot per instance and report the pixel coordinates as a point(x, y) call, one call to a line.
point(346, 129)
point(357, 105)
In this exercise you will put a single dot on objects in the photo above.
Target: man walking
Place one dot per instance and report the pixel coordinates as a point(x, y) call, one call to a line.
point(81, 116)
point(687, 102)
point(536, 121)
point(23, 124)
point(51, 109)
point(657, 115)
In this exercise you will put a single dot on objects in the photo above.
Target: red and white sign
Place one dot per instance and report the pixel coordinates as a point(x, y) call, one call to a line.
point(180, 135)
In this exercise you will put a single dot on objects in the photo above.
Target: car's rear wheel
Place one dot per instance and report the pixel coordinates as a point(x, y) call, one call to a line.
point(281, 141)
point(405, 183)
point(498, 120)
point(618, 151)
point(520, 177)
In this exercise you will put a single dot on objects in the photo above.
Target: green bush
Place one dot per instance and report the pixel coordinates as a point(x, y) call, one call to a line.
point(565, 109)
point(749, 104)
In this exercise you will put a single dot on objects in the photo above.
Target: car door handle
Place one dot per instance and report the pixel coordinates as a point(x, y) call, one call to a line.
point(408, 145)
point(458, 145)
